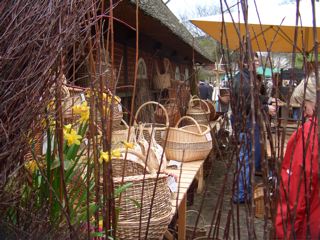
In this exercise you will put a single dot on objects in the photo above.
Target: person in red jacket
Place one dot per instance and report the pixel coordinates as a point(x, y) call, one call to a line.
point(298, 209)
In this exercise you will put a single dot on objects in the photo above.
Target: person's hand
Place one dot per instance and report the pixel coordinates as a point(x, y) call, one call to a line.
point(309, 108)
point(272, 110)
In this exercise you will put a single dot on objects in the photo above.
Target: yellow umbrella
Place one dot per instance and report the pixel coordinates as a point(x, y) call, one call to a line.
point(274, 34)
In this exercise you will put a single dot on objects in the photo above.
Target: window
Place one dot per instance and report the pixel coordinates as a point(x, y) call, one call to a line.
point(177, 73)
point(142, 69)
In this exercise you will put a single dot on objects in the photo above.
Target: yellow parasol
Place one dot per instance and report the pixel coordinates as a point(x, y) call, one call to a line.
point(276, 31)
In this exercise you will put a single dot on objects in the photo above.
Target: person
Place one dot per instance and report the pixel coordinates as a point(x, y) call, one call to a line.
point(298, 208)
point(242, 124)
point(205, 90)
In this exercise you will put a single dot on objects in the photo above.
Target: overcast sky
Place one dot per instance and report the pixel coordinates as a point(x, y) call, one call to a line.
point(188, 7)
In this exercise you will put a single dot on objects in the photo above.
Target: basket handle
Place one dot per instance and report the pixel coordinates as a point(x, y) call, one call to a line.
point(152, 103)
point(166, 63)
point(200, 100)
point(192, 119)
point(157, 68)
point(124, 123)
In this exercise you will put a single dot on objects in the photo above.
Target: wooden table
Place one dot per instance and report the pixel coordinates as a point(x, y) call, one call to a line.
point(186, 174)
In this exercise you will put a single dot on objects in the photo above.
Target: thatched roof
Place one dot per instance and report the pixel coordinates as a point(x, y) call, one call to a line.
point(159, 11)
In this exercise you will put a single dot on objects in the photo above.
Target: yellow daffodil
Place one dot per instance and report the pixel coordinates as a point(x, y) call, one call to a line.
point(128, 144)
point(72, 137)
point(116, 153)
point(83, 110)
point(104, 156)
point(67, 128)
point(31, 166)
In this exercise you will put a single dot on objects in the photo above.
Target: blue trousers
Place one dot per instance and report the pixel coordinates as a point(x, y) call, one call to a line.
point(243, 190)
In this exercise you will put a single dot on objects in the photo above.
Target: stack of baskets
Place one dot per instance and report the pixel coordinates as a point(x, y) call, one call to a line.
point(159, 129)
point(188, 143)
point(133, 220)
point(199, 110)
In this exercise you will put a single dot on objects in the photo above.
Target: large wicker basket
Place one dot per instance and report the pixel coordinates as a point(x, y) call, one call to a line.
point(143, 185)
point(197, 112)
point(188, 143)
point(160, 129)
point(162, 80)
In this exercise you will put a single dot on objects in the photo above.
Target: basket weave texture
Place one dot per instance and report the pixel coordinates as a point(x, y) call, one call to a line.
point(188, 143)
point(197, 112)
point(172, 111)
point(144, 184)
point(258, 197)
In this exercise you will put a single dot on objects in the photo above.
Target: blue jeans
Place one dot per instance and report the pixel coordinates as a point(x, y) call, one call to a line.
point(243, 189)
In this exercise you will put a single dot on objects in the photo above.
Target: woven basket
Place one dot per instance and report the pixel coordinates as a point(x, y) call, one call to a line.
point(172, 110)
point(121, 135)
point(129, 230)
point(258, 197)
point(134, 164)
point(143, 185)
point(188, 143)
point(74, 98)
point(202, 116)
point(159, 129)
point(182, 97)
point(162, 80)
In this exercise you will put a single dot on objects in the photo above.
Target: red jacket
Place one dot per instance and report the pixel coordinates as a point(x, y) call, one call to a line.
point(305, 195)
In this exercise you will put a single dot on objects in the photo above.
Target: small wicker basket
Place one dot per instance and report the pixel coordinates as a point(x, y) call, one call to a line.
point(121, 135)
point(172, 110)
point(188, 143)
point(159, 128)
point(258, 197)
point(196, 111)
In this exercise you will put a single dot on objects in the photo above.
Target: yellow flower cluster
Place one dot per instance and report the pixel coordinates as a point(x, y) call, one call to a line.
point(83, 110)
point(71, 135)
point(128, 145)
point(104, 156)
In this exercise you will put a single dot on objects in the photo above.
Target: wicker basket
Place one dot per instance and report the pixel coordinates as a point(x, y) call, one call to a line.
point(182, 97)
point(143, 185)
point(172, 110)
point(159, 128)
point(188, 143)
point(202, 116)
point(129, 230)
point(258, 197)
point(121, 135)
point(162, 80)
point(134, 164)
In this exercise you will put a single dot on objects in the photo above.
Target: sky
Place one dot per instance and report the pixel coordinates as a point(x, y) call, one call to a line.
point(188, 7)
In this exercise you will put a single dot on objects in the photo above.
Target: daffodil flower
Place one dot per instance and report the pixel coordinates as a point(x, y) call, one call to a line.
point(83, 110)
point(31, 166)
point(104, 156)
point(67, 128)
point(128, 144)
point(72, 137)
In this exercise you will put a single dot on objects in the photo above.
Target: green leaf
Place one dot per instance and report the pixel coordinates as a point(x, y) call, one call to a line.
point(135, 202)
point(98, 234)
point(122, 188)
point(67, 164)
point(55, 164)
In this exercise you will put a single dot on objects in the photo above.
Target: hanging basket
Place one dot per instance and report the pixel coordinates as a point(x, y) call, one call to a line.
point(159, 128)
point(162, 80)
point(195, 110)
point(142, 188)
point(172, 110)
point(188, 143)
